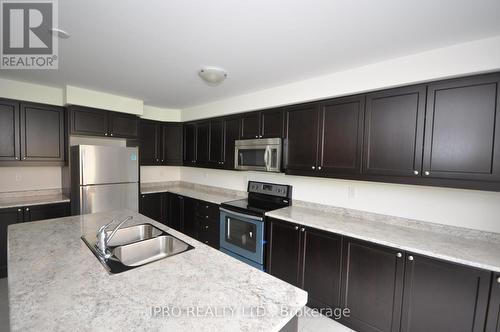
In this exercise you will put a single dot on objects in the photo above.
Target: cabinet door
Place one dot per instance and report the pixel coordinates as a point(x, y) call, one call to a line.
point(123, 125)
point(149, 143)
point(172, 144)
point(302, 138)
point(462, 140)
point(202, 142)
point(272, 123)
point(7, 217)
point(88, 121)
point(250, 125)
point(493, 322)
point(9, 131)
point(189, 223)
point(341, 135)
point(321, 267)
point(284, 251)
point(394, 127)
point(231, 134)
point(190, 144)
point(151, 205)
point(47, 211)
point(216, 143)
point(372, 286)
point(175, 211)
point(441, 296)
point(42, 133)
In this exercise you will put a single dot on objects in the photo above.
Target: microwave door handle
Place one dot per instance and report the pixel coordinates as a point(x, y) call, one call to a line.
point(267, 160)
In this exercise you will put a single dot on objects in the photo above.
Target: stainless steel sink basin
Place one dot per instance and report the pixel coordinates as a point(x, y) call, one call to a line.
point(133, 234)
point(143, 252)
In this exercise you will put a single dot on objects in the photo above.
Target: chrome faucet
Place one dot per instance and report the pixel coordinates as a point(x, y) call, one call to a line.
point(103, 238)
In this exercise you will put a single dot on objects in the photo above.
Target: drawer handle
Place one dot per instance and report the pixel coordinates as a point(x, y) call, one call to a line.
point(415, 172)
point(296, 228)
point(206, 217)
point(302, 229)
point(399, 255)
point(18, 210)
point(206, 242)
point(206, 227)
point(27, 209)
point(410, 258)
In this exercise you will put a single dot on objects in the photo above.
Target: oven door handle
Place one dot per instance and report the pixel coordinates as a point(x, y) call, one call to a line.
point(241, 215)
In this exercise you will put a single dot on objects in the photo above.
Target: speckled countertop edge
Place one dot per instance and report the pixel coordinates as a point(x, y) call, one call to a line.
point(32, 197)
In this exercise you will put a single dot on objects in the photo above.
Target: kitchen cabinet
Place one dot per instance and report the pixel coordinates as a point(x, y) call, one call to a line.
point(231, 134)
point(207, 222)
point(306, 258)
point(175, 211)
point(441, 296)
point(462, 140)
point(96, 122)
point(10, 145)
point(272, 123)
point(171, 147)
point(250, 125)
point(153, 206)
point(394, 129)
point(493, 321)
point(216, 143)
point(10, 216)
point(203, 142)
point(190, 144)
point(302, 138)
point(149, 143)
point(372, 286)
point(341, 135)
point(189, 225)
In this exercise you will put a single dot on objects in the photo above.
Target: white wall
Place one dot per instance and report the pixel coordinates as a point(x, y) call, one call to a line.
point(468, 58)
point(457, 207)
point(160, 173)
point(31, 92)
point(29, 178)
point(161, 114)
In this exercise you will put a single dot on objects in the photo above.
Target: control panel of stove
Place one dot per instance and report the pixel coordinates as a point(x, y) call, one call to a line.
point(280, 190)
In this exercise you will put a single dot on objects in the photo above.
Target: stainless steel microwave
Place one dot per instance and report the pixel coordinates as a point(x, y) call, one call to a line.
point(263, 154)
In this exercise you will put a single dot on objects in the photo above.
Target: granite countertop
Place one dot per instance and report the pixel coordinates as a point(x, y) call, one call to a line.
point(34, 197)
point(205, 193)
point(447, 243)
point(57, 284)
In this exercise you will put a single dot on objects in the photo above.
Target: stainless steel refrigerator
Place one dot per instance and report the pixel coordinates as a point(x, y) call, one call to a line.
point(104, 178)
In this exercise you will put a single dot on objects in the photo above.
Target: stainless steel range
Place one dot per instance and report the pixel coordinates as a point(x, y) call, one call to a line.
point(242, 222)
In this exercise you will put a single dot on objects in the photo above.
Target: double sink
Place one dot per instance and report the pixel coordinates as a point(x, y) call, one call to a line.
point(137, 245)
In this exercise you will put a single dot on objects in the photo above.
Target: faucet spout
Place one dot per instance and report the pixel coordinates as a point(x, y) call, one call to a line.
point(103, 238)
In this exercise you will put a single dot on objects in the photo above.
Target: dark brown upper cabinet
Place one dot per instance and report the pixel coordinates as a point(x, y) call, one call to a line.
point(372, 286)
point(441, 296)
point(190, 144)
point(10, 146)
point(462, 138)
point(341, 135)
point(301, 146)
point(272, 123)
point(96, 122)
point(394, 129)
point(149, 143)
point(171, 147)
point(42, 133)
point(216, 142)
point(250, 125)
point(203, 143)
point(231, 134)
point(493, 321)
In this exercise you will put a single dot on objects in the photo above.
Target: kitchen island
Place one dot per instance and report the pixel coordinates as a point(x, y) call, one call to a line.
point(57, 284)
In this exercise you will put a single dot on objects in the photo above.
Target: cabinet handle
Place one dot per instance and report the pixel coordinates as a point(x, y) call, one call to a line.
point(399, 255)
point(313, 167)
point(206, 217)
point(206, 242)
point(143, 196)
point(427, 173)
point(111, 134)
point(256, 136)
point(296, 228)
point(24, 158)
point(498, 280)
point(410, 258)
point(18, 210)
point(206, 206)
point(162, 160)
point(17, 158)
point(27, 209)
point(302, 229)
point(105, 134)
point(415, 172)
point(319, 168)
point(206, 227)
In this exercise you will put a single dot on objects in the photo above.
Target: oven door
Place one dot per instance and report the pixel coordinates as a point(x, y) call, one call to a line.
point(242, 234)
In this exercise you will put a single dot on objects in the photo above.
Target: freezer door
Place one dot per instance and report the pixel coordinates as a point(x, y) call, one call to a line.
point(108, 164)
point(108, 197)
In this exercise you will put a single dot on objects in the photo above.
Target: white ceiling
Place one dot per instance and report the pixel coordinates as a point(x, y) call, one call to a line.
point(151, 50)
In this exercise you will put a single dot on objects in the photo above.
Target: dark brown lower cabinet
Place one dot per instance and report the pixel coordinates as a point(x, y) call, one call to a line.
point(16, 215)
point(441, 296)
point(307, 258)
point(153, 206)
point(372, 286)
point(175, 205)
point(493, 321)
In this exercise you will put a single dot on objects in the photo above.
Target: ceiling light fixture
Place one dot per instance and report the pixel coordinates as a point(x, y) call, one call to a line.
point(60, 33)
point(212, 75)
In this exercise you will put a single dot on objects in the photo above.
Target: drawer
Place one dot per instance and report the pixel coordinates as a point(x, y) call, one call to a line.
point(205, 209)
point(208, 225)
point(209, 238)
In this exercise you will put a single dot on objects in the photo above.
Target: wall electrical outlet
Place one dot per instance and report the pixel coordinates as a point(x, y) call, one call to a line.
point(18, 177)
point(351, 192)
